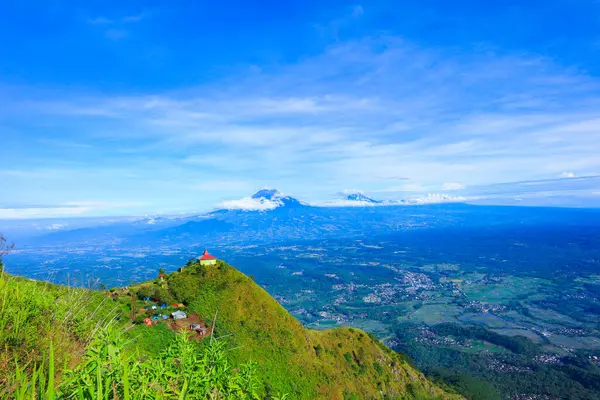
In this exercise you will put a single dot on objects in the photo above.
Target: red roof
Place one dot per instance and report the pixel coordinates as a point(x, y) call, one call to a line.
point(206, 256)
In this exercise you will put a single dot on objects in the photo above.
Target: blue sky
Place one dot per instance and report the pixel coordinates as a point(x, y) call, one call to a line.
point(111, 108)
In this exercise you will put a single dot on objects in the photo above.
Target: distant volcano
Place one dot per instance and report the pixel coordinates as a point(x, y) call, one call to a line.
point(268, 194)
point(263, 200)
point(275, 195)
point(361, 198)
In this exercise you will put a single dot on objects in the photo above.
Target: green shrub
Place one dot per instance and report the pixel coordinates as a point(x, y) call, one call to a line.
point(348, 358)
point(145, 291)
point(378, 368)
point(162, 295)
point(180, 372)
point(318, 350)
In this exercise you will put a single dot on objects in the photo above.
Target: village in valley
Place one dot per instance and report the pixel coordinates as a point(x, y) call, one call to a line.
point(151, 304)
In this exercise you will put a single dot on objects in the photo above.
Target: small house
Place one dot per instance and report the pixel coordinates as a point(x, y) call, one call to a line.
point(207, 259)
point(178, 315)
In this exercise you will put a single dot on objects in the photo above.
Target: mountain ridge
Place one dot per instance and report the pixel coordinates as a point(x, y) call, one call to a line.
point(337, 364)
point(349, 361)
point(358, 196)
point(263, 203)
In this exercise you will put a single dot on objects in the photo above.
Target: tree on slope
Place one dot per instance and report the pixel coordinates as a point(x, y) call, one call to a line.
point(5, 248)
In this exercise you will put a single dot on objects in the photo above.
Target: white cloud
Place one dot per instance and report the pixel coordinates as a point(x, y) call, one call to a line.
point(114, 29)
point(430, 198)
point(56, 226)
point(100, 21)
point(250, 204)
point(453, 186)
point(361, 111)
point(433, 198)
point(567, 175)
point(124, 20)
point(347, 203)
point(352, 191)
point(134, 18)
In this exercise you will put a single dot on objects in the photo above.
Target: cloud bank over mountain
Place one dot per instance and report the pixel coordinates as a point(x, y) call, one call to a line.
point(271, 199)
point(250, 204)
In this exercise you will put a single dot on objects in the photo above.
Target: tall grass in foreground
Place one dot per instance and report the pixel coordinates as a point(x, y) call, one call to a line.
point(39, 321)
point(59, 342)
point(107, 371)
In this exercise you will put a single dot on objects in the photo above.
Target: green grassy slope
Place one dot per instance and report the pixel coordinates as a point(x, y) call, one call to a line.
point(61, 343)
point(34, 314)
point(342, 363)
point(334, 364)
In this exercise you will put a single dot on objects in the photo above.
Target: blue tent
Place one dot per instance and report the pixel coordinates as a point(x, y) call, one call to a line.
point(163, 306)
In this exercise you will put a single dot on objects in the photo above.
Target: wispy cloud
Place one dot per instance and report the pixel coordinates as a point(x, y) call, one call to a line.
point(361, 114)
point(67, 209)
point(100, 21)
point(116, 28)
point(332, 28)
point(134, 18)
point(122, 20)
point(452, 186)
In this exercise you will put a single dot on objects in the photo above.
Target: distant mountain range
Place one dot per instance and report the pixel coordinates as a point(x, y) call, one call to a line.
point(266, 215)
point(358, 199)
point(269, 199)
point(263, 200)
point(269, 216)
point(361, 198)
